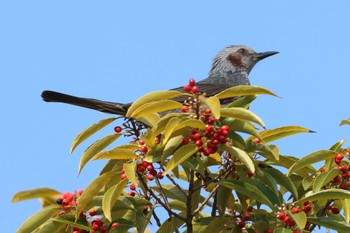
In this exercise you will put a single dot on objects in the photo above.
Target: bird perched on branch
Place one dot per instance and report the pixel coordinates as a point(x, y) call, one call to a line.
point(230, 68)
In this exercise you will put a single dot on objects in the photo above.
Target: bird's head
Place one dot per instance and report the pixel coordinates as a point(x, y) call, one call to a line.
point(237, 57)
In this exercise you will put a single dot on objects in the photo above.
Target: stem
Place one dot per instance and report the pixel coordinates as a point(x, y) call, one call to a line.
point(189, 203)
point(150, 191)
point(329, 202)
point(212, 193)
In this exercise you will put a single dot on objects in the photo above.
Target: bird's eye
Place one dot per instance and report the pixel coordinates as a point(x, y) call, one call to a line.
point(242, 51)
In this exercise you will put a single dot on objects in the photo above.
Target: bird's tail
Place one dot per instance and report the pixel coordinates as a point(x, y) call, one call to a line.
point(99, 105)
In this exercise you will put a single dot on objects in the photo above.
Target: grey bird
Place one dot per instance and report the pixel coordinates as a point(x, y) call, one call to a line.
point(230, 67)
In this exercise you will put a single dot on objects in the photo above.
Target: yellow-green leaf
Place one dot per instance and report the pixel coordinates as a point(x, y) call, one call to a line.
point(35, 193)
point(194, 123)
point(179, 156)
point(213, 103)
point(39, 218)
point(130, 169)
point(69, 219)
point(117, 153)
point(299, 218)
point(217, 225)
point(281, 132)
point(243, 90)
point(92, 189)
point(169, 129)
point(345, 122)
point(151, 97)
point(96, 147)
point(110, 198)
point(156, 106)
point(242, 114)
point(346, 207)
point(86, 133)
point(328, 222)
point(327, 194)
point(241, 155)
point(150, 120)
point(324, 178)
point(310, 159)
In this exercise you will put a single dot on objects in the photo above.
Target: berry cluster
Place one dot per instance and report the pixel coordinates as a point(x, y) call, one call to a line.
point(207, 141)
point(147, 169)
point(191, 87)
point(342, 181)
point(68, 200)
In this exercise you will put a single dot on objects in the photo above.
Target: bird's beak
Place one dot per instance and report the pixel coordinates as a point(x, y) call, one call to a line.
point(263, 55)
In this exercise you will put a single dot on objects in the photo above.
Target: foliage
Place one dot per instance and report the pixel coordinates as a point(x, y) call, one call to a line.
point(208, 168)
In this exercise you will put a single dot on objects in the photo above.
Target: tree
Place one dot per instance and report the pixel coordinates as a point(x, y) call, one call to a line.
point(197, 166)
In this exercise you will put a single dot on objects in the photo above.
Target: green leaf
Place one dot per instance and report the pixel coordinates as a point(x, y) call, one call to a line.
point(130, 169)
point(331, 223)
point(281, 132)
point(272, 196)
point(345, 122)
point(242, 114)
point(327, 194)
point(117, 153)
point(310, 159)
point(171, 192)
point(248, 190)
point(282, 230)
point(337, 146)
point(69, 219)
point(346, 207)
point(169, 129)
point(243, 102)
point(241, 126)
point(283, 180)
point(157, 106)
point(51, 227)
point(243, 90)
point(40, 217)
point(152, 97)
point(110, 198)
point(35, 193)
point(217, 225)
point(299, 218)
point(170, 225)
point(171, 146)
point(241, 155)
point(97, 147)
point(213, 103)
point(193, 123)
point(324, 178)
point(223, 195)
point(92, 189)
point(180, 156)
point(86, 133)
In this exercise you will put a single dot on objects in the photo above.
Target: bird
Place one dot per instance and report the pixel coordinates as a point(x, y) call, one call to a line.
point(230, 67)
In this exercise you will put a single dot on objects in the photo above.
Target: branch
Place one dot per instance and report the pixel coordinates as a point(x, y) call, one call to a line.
point(329, 202)
point(189, 203)
point(206, 200)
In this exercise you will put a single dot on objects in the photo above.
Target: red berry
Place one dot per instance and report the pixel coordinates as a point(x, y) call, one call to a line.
point(187, 88)
point(194, 89)
point(156, 140)
point(95, 226)
point(117, 129)
point(212, 119)
point(343, 186)
point(250, 174)
point(185, 141)
point(281, 216)
point(269, 231)
point(143, 149)
point(149, 177)
point(322, 169)
point(287, 219)
point(92, 212)
point(131, 194)
point(209, 128)
point(184, 109)
point(241, 224)
point(250, 208)
point(292, 223)
point(296, 231)
point(307, 209)
point(197, 136)
point(145, 208)
point(295, 210)
point(142, 142)
point(225, 127)
point(257, 140)
point(339, 156)
point(123, 176)
point(103, 229)
point(115, 224)
point(224, 133)
point(246, 217)
point(343, 168)
point(160, 175)
point(192, 82)
point(199, 143)
point(335, 210)
point(140, 168)
point(337, 161)
point(150, 168)
point(132, 187)
point(207, 111)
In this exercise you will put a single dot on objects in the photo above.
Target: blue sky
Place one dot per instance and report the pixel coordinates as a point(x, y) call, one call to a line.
point(120, 51)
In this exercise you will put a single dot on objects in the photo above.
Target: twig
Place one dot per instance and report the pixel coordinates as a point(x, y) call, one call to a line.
point(206, 200)
point(189, 203)
point(329, 202)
